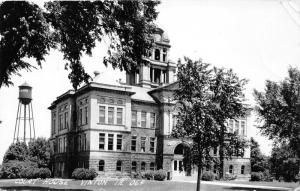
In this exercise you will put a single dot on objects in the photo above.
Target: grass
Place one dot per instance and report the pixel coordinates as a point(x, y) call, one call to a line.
point(139, 185)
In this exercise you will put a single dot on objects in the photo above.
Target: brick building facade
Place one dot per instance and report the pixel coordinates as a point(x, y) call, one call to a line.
point(123, 128)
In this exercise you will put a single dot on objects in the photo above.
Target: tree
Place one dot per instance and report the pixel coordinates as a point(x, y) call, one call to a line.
point(259, 162)
point(227, 91)
point(73, 27)
point(278, 109)
point(39, 152)
point(199, 112)
point(16, 151)
point(284, 162)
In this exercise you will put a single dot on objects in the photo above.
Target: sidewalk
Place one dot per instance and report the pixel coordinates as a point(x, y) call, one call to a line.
point(230, 184)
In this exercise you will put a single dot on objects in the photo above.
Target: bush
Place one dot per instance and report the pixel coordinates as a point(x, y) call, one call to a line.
point(149, 175)
point(160, 175)
point(84, 174)
point(267, 176)
point(256, 176)
point(12, 169)
point(136, 175)
point(208, 176)
point(32, 172)
point(44, 173)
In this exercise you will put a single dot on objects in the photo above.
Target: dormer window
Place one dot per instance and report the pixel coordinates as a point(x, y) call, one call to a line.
point(157, 54)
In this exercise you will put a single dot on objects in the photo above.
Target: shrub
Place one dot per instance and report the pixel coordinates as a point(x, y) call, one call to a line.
point(84, 174)
point(12, 169)
point(267, 176)
point(256, 176)
point(208, 176)
point(136, 175)
point(44, 173)
point(160, 175)
point(149, 175)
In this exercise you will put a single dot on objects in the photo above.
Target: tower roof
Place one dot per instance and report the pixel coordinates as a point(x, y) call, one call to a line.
point(25, 84)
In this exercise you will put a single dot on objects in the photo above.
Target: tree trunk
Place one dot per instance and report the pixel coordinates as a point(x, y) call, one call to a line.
point(199, 169)
point(221, 153)
point(199, 176)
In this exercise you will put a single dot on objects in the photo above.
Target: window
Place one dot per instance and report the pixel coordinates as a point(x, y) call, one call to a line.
point(164, 55)
point(84, 142)
point(230, 126)
point(215, 169)
point(119, 166)
point(152, 120)
point(174, 121)
point(86, 115)
point(143, 166)
point(80, 143)
point(180, 166)
point(237, 126)
point(175, 165)
point(66, 120)
point(110, 142)
point(143, 144)
point(110, 115)
point(53, 123)
point(80, 117)
point(101, 141)
point(119, 142)
point(102, 114)
point(133, 166)
point(157, 54)
point(133, 143)
point(243, 128)
point(101, 165)
point(152, 143)
point(119, 116)
point(152, 166)
point(65, 145)
point(215, 151)
point(133, 118)
point(60, 122)
point(231, 169)
point(242, 169)
point(143, 119)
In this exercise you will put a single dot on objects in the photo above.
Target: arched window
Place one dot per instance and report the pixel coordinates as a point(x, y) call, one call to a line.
point(152, 166)
point(215, 151)
point(164, 55)
point(143, 166)
point(242, 169)
point(133, 166)
point(119, 166)
point(231, 169)
point(101, 165)
point(157, 54)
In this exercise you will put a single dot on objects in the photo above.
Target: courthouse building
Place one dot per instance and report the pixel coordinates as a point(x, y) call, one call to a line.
point(120, 128)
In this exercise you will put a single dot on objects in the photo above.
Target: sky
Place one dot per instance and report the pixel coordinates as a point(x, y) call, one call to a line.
point(258, 39)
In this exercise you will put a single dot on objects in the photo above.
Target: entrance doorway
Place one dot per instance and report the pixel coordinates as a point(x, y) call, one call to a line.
point(180, 163)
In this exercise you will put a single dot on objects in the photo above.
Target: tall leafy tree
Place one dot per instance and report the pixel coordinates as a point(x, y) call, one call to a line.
point(259, 162)
point(195, 114)
point(39, 152)
point(227, 90)
point(199, 111)
point(73, 27)
point(278, 109)
point(284, 162)
point(16, 151)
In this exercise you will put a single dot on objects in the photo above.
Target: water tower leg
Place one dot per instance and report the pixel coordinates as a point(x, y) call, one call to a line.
point(16, 123)
point(32, 121)
point(29, 118)
point(24, 123)
point(19, 118)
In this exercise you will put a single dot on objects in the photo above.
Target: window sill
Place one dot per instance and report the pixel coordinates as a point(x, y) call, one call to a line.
point(111, 124)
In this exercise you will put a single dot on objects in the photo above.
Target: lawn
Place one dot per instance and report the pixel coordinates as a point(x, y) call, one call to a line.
point(128, 185)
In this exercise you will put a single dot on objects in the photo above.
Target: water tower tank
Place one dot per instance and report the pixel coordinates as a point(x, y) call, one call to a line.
point(25, 92)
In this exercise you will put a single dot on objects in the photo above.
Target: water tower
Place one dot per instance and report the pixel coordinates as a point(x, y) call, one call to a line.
point(24, 120)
